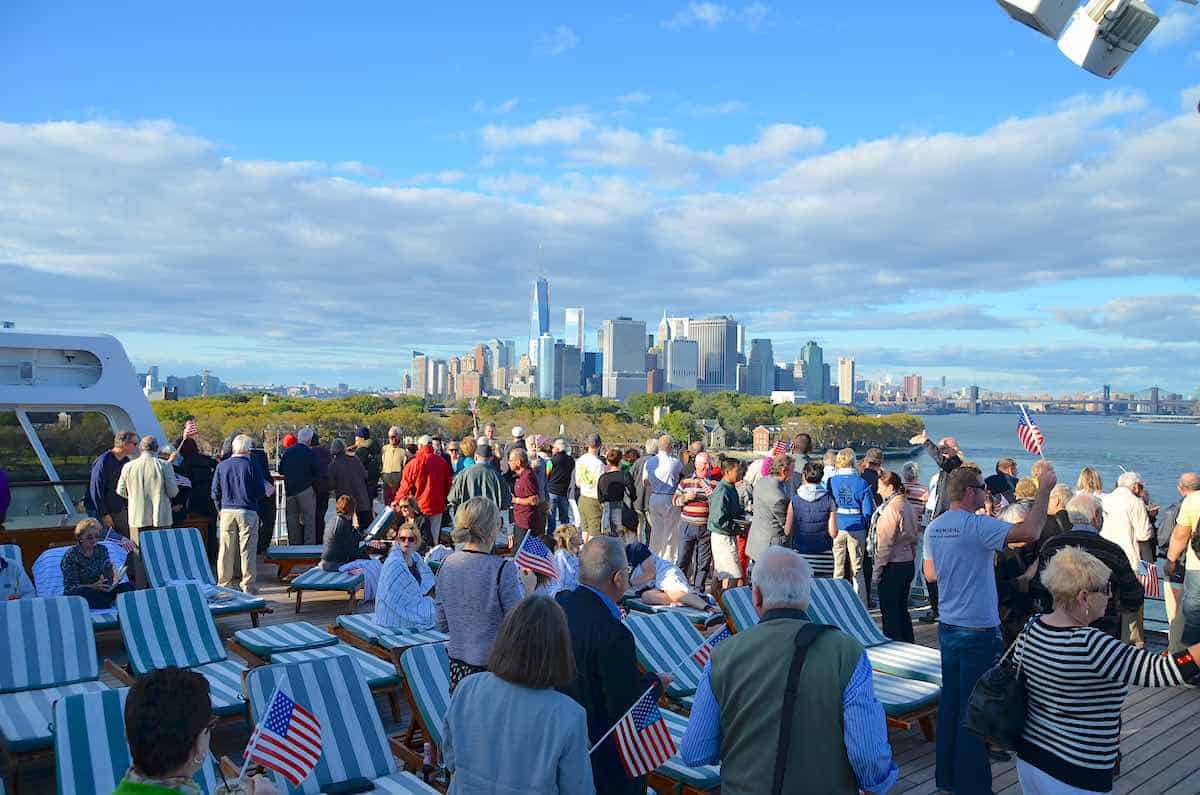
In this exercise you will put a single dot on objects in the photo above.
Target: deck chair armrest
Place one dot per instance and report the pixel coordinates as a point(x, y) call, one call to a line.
point(252, 659)
point(410, 760)
point(117, 672)
point(228, 768)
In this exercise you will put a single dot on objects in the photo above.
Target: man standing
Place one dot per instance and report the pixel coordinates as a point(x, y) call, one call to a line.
point(948, 458)
point(1126, 524)
point(366, 452)
point(559, 482)
point(871, 467)
point(395, 456)
point(525, 497)
point(147, 484)
point(1184, 538)
point(1189, 482)
point(1003, 483)
point(348, 478)
point(607, 678)
point(518, 443)
point(299, 468)
point(237, 488)
point(960, 547)
point(637, 473)
point(489, 435)
point(688, 470)
point(480, 480)
point(747, 716)
point(110, 508)
point(718, 544)
point(427, 477)
point(662, 474)
point(322, 486)
point(588, 470)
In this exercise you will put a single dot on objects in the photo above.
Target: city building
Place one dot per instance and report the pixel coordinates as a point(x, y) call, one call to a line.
point(539, 314)
point(655, 382)
point(624, 356)
point(420, 374)
point(573, 327)
point(717, 340)
point(568, 365)
point(547, 378)
point(680, 371)
point(761, 367)
point(830, 395)
point(741, 339)
point(592, 373)
point(469, 385)
point(672, 328)
point(912, 387)
point(813, 361)
point(845, 379)
point(743, 378)
point(784, 379)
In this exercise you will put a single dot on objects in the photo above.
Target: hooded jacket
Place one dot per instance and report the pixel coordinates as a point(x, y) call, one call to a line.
point(811, 507)
point(428, 478)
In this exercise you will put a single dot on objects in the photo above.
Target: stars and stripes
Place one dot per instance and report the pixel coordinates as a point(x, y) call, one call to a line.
point(287, 740)
point(643, 741)
point(702, 654)
point(536, 557)
point(780, 447)
point(190, 430)
point(1029, 435)
point(1147, 575)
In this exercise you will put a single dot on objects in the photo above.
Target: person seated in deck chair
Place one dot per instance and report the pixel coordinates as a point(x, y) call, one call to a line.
point(658, 581)
point(402, 600)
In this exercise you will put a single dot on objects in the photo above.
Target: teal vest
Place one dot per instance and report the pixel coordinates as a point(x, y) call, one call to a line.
point(749, 673)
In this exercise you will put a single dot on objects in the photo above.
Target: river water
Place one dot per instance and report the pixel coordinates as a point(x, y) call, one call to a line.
point(1159, 453)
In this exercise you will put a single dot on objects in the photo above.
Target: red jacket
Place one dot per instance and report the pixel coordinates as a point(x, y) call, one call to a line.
point(427, 477)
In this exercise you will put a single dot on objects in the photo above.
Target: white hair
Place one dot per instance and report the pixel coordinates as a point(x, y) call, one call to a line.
point(425, 441)
point(560, 443)
point(651, 446)
point(910, 472)
point(1015, 513)
point(394, 430)
point(1083, 508)
point(149, 444)
point(242, 444)
point(1129, 479)
point(1062, 492)
point(305, 435)
point(783, 578)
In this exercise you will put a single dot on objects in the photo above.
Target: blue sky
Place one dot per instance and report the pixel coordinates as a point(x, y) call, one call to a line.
point(303, 192)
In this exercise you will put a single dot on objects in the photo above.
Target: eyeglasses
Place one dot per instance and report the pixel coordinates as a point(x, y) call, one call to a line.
point(406, 539)
point(90, 537)
point(1106, 590)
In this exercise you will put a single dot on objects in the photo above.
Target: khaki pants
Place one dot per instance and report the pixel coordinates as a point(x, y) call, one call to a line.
point(589, 516)
point(1132, 630)
point(239, 543)
point(1174, 615)
point(848, 552)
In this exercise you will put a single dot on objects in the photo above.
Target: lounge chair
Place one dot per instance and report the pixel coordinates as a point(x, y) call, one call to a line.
point(172, 626)
point(674, 776)
point(666, 642)
point(176, 556)
point(317, 579)
point(90, 752)
point(699, 618)
point(739, 609)
point(48, 651)
point(354, 746)
point(426, 672)
point(10, 551)
point(299, 640)
point(290, 556)
point(358, 630)
point(48, 580)
point(834, 602)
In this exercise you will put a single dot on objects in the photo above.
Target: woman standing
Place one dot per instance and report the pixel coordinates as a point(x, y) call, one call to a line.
point(1089, 482)
point(614, 487)
point(894, 529)
point(1076, 679)
point(855, 504)
point(772, 496)
point(543, 749)
point(811, 521)
point(475, 589)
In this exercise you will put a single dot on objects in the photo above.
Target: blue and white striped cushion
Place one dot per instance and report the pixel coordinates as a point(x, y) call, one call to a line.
point(404, 638)
point(228, 600)
point(909, 660)
point(739, 609)
point(47, 569)
point(427, 672)
point(361, 626)
point(168, 626)
point(698, 617)
point(224, 685)
point(105, 620)
point(334, 689)
point(10, 551)
point(292, 636)
point(46, 642)
point(175, 554)
point(25, 716)
point(834, 602)
point(296, 552)
point(901, 696)
point(665, 642)
point(403, 784)
point(379, 673)
point(90, 753)
point(705, 777)
point(316, 579)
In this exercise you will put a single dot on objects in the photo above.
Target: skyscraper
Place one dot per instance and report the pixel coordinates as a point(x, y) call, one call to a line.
point(568, 364)
point(420, 374)
point(717, 340)
point(682, 364)
point(624, 357)
point(814, 371)
point(539, 314)
point(547, 377)
point(741, 339)
point(912, 387)
point(573, 328)
point(761, 366)
point(845, 379)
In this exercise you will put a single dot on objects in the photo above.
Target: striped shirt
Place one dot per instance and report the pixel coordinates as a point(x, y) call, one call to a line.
point(1076, 679)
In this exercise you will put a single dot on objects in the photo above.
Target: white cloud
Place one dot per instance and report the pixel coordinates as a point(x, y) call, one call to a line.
point(558, 41)
point(634, 98)
point(499, 109)
point(560, 130)
point(448, 177)
point(712, 15)
point(1176, 26)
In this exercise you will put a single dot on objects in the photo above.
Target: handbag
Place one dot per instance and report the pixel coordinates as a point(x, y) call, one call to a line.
point(996, 709)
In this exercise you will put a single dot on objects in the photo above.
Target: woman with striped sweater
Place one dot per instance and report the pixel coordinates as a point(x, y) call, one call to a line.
point(1076, 678)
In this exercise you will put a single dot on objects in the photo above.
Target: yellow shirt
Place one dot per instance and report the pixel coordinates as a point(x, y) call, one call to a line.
point(1189, 515)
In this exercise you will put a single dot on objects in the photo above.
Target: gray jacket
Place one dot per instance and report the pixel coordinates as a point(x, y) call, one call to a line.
point(771, 497)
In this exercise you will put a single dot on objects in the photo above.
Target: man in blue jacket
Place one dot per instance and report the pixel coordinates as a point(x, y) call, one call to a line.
point(237, 488)
point(300, 471)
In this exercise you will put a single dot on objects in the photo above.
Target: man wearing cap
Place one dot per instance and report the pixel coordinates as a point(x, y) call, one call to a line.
point(480, 480)
point(588, 470)
point(366, 452)
point(394, 457)
point(518, 442)
point(427, 477)
point(300, 471)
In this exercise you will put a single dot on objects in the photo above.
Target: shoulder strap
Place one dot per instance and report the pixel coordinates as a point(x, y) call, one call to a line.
point(804, 638)
point(499, 571)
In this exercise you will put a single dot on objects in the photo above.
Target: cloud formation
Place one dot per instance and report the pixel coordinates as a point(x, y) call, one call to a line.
point(712, 15)
point(558, 41)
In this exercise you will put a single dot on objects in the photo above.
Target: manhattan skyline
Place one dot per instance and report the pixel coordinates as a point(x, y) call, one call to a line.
point(216, 197)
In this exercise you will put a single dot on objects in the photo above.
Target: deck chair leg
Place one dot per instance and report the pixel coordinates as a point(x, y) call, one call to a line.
point(254, 618)
point(394, 701)
point(299, 597)
point(926, 724)
point(353, 603)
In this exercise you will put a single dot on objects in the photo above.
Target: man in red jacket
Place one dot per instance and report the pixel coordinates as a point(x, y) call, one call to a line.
point(428, 478)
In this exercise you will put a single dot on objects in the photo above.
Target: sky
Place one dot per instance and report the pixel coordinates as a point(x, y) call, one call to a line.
point(303, 192)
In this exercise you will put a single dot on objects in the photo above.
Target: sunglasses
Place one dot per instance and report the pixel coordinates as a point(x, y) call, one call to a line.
point(406, 539)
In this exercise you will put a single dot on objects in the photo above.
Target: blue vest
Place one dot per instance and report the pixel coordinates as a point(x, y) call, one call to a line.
point(810, 524)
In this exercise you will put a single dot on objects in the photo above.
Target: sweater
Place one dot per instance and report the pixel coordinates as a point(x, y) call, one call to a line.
point(299, 468)
point(237, 485)
point(724, 507)
point(148, 484)
point(474, 592)
point(770, 515)
point(102, 487)
point(427, 477)
point(342, 545)
point(854, 501)
point(562, 474)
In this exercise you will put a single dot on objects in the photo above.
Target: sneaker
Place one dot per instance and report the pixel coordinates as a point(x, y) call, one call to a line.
point(929, 618)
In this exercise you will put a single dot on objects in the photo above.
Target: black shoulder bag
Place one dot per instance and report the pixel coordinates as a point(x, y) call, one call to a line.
point(804, 639)
point(996, 708)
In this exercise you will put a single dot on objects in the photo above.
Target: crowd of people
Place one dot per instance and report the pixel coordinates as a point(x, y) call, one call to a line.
point(1001, 561)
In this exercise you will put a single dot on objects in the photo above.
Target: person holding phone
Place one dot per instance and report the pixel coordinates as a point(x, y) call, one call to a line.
point(87, 570)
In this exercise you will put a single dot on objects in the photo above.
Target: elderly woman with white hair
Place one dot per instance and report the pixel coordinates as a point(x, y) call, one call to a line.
point(475, 589)
point(1076, 679)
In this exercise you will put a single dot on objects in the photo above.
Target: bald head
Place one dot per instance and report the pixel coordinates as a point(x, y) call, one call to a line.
point(1189, 481)
point(664, 444)
point(948, 444)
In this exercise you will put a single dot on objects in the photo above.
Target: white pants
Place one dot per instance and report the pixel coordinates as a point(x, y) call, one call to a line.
point(848, 551)
point(1035, 781)
point(665, 520)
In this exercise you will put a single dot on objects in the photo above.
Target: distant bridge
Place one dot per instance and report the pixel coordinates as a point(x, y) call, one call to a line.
point(1145, 401)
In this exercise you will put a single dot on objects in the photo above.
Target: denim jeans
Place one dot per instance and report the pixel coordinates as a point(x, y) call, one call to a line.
point(1190, 604)
point(962, 760)
point(560, 511)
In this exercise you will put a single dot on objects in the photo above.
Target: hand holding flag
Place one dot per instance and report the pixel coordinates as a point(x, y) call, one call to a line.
point(1147, 575)
point(702, 654)
point(1029, 435)
point(643, 740)
point(536, 557)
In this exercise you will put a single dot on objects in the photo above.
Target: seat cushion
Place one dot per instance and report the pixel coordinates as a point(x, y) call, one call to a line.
point(705, 777)
point(25, 716)
point(667, 642)
point(404, 638)
point(228, 600)
point(46, 643)
point(379, 673)
point(907, 660)
point(361, 626)
point(296, 552)
point(903, 696)
point(317, 580)
point(739, 609)
point(104, 620)
point(698, 617)
point(403, 783)
point(224, 686)
point(427, 674)
point(292, 636)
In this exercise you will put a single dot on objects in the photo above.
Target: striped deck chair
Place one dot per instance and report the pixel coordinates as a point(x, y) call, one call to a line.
point(48, 579)
point(317, 579)
point(177, 555)
point(739, 609)
point(48, 651)
point(293, 556)
point(426, 672)
point(698, 618)
point(11, 551)
point(354, 745)
point(172, 626)
point(834, 602)
point(90, 752)
point(358, 630)
point(674, 775)
point(664, 640)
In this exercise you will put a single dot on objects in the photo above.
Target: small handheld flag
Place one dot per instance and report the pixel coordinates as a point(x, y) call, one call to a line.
point(1029, 435)
point(702, 654)
point(643, 740)
point(780, 448)
point(535, 556)
point(1148, 576)
point(286, 740)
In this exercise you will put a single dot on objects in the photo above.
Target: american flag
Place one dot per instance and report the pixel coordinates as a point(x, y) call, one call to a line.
point(288, 740)
point(473, 404)
point(703, 486)
point(535, 556)
point(190, 429)
point(780, 448)
point(1030, 436)
point(702, 654)
point(643, 741)
point(1148, 577)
